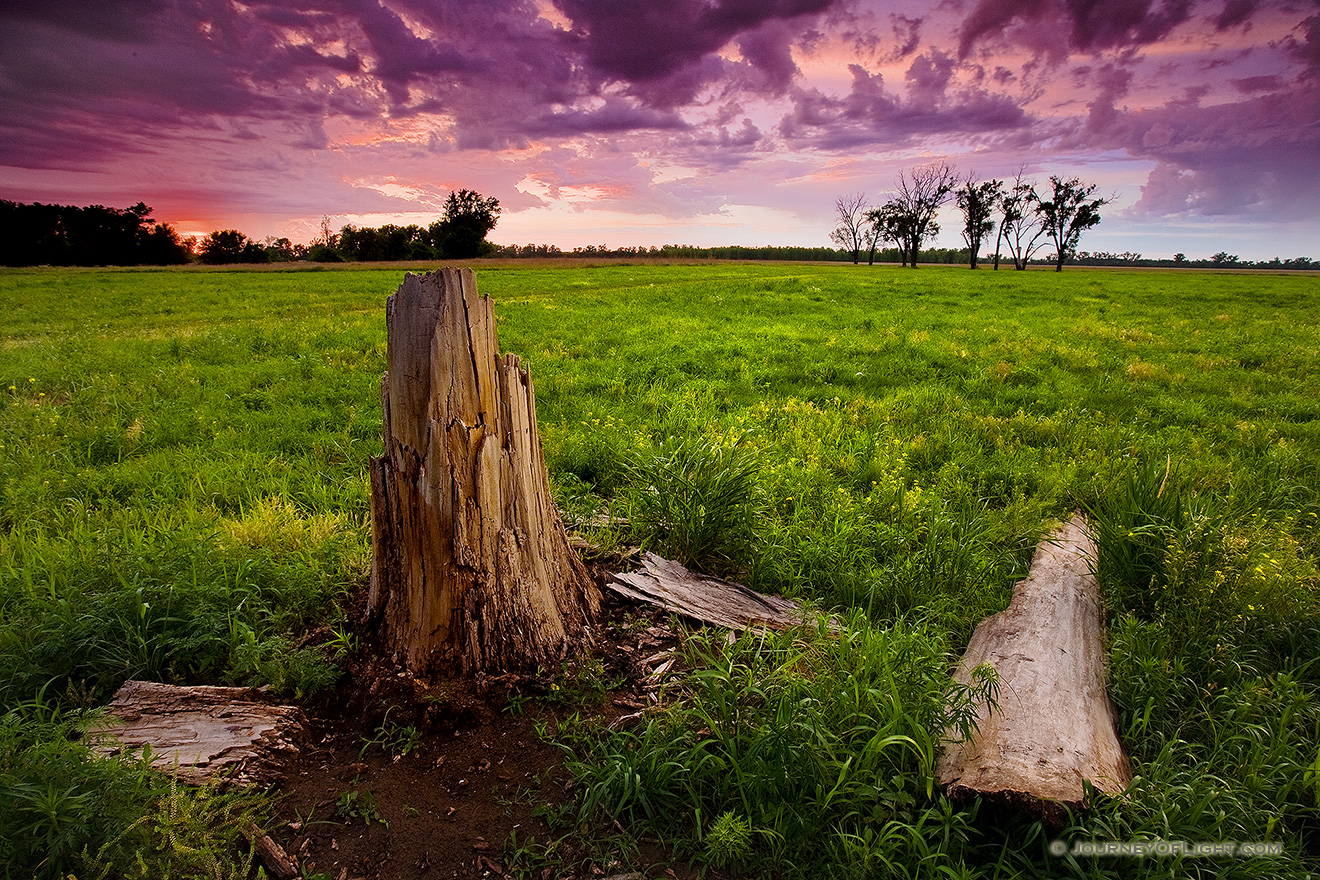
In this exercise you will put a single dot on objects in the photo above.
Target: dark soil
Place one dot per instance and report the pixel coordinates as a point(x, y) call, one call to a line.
point(409, 778)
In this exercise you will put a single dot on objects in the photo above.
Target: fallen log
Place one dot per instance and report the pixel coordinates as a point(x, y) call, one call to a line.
point(198, 732)
point(1053, 725)
point(707, 599)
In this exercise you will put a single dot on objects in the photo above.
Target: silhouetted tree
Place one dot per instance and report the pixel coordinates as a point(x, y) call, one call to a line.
point(230, 246)
point(978, 201)
point(920, 194)
point(1020, 226)
point(389, 242)
point(890, 223)
point(64, 235)
point(850, 211)
point(282, 250)
point(1067, 213)
point(460, 233)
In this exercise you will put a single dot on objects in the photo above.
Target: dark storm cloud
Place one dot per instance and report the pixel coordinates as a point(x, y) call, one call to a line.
point(1091, 25)
point(639, 40)
point(500, 70)
point(872, 114)
point(769, 50)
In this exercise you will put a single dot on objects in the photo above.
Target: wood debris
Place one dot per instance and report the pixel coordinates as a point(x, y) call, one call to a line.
point(271, 854)
point(1053, 725)
point(198, 732)
point(703, 598)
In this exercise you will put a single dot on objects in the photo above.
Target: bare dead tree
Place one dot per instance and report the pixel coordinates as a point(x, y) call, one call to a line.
point(921, 192)
point(1020, 226)
point(850, 233)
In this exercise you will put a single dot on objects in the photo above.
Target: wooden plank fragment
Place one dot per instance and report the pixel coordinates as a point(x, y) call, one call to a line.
point(197, 732)
point(1054, 724)
point(712, 600)
point(272, 855)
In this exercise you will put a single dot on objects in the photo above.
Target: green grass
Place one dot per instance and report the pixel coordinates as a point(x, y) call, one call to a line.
point(183, 495)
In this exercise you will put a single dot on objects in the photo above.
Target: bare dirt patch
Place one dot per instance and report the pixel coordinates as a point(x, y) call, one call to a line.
point(411, 778)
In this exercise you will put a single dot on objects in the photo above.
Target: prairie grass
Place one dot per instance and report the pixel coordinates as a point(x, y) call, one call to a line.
point(183, 495)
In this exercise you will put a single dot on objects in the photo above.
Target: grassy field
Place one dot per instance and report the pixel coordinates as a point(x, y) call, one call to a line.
point(183, 493)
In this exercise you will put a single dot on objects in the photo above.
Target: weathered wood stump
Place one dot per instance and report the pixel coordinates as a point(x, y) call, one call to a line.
point(471, 568)
point(1054, 725)
point(203, 731)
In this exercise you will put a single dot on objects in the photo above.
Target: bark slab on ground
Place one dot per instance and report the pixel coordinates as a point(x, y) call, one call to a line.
point(198, 732)
point(1053, 726)
point(471, 567)
point(670, 585)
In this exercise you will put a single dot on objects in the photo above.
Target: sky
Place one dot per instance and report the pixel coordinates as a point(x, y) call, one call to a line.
point(646, 122)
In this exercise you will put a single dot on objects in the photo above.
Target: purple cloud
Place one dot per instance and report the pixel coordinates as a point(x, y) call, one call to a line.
point(1235, 12)
point(639, 40)
point(872, 114)
point(1256, 157)
point(1092, 25)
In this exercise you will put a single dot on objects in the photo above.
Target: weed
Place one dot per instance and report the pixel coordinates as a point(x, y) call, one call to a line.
point(697, 502)
point(397, 740)
point(728, 840)
point(355, 803)
point(802, 738)
point(343, 642)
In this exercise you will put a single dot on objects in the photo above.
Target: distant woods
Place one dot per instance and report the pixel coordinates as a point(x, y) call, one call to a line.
point(62, 235)
point(1004, 221)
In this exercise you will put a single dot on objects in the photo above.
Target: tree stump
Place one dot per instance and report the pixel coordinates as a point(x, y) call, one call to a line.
point(471, 568)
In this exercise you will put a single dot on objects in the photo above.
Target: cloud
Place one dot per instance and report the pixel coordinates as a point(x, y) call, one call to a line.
point(1090, 25)
point(1255, 158)
point(1235, 12)
point(643, 40)
point(871, 114)
point(614, 116)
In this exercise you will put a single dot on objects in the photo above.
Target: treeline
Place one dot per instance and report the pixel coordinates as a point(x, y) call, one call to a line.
point(1221, 260)
point(673, 251)
point(63, 235)
point(459, 234)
